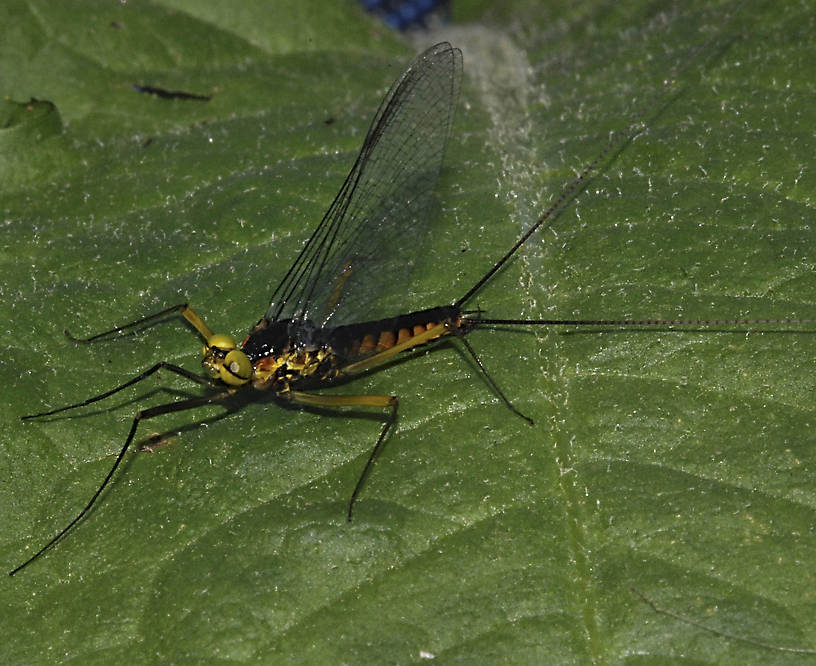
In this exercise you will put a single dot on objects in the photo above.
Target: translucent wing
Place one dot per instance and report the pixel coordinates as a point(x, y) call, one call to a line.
point(383, 206)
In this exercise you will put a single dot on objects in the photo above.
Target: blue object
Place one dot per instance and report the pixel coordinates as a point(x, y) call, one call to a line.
point(406, 14)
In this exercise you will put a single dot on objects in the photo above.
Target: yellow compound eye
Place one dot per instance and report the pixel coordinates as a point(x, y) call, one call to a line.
point(236, 369)
point(219, 341)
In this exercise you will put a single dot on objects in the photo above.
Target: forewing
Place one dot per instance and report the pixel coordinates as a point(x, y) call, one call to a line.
point(373, 229)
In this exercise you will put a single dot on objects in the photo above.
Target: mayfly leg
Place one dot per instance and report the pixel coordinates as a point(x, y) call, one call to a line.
point(162, 365)
point(183, 309)
point(490, 380)
point(384, 401)
point(390, 402)
point(168, 408)
point(433, 333)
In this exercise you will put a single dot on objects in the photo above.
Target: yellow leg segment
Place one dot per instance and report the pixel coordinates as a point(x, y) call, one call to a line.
point(192, 316)
point(423, 338)
point(390, 401)
point(318, 400)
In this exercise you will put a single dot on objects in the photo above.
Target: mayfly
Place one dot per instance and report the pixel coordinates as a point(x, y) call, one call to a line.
point(320, 328)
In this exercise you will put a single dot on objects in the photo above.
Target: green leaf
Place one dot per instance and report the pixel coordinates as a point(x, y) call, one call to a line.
point(677, 462)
